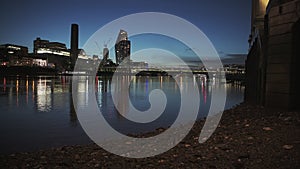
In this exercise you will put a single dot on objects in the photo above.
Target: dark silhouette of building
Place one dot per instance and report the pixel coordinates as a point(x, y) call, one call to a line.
point(122, 47)
point(271, 65)
point(74, 44)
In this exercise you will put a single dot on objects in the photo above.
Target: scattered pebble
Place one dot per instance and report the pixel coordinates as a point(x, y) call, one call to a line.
point(288, 147)
point(240, 142)
point(267, 129)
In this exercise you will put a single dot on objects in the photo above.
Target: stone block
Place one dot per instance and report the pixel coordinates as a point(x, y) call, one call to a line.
point(283, 19)
point(288, 7)
point(280, 39)
point(278, 88)
point(279, 58)
point(278, 68)
point(277, 100)
point(281, 29)
point(280, 49)
point(277, 78)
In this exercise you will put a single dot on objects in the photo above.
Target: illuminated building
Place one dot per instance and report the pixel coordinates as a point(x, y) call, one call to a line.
point(82, 55)
point(53, 54)
point(122, 47)
point(40, 62)
point(14, 55)
point(139, 64)
point(10, 49)
point(44, 46)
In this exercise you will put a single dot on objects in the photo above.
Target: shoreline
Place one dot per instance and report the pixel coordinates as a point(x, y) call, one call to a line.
point(27, 71)
point(247, 137)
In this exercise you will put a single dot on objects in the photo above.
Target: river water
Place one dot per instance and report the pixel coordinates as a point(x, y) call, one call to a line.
point(37, 112)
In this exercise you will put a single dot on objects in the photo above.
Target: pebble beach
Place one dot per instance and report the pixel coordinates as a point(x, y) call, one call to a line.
point(247, 137)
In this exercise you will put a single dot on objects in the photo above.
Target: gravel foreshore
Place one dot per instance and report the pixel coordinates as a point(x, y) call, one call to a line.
point(247, 137)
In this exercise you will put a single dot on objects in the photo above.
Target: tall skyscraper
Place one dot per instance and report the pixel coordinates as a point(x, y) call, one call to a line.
point(122, 47)
point(74, 44)
point(105, 54)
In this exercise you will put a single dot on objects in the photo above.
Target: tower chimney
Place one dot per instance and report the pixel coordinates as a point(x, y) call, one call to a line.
point(74, 44)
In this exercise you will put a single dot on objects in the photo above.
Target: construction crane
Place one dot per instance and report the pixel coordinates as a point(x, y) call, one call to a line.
point(98, 46)
point(106, 43)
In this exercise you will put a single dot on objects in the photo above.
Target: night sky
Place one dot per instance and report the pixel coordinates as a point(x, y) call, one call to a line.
point(225, 23)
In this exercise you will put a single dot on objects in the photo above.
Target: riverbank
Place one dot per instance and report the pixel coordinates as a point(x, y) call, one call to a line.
point(26, 71)
point(247, 137)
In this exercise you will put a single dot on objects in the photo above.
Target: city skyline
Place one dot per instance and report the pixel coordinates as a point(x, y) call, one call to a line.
point(218, 20)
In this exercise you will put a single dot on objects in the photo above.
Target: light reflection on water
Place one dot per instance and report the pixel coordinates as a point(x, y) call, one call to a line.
point(37, 112)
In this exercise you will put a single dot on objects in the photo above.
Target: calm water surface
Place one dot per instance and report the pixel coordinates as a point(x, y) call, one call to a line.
point(37, 112)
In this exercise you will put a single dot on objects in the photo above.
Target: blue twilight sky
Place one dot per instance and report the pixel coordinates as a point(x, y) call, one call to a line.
point(225, 23)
